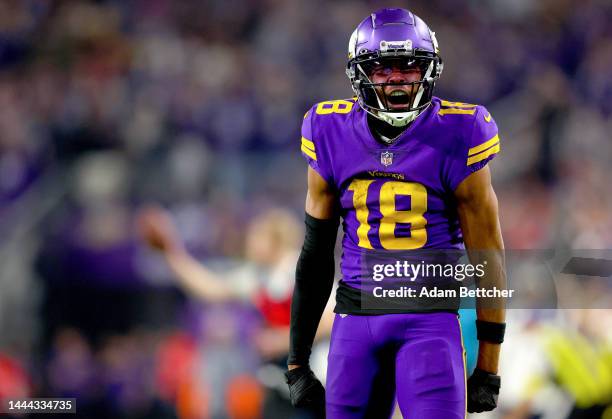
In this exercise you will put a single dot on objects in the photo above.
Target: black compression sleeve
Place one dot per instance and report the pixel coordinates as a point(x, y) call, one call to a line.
point(314, 278)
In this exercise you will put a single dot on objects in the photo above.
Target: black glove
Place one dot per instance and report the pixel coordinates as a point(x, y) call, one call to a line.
point(482, 391)
point(305, 389)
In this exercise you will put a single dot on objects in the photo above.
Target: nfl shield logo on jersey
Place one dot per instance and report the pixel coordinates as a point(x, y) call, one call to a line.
point(386, 158)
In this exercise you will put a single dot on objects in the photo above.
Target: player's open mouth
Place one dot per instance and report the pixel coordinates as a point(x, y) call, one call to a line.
point(398, 97)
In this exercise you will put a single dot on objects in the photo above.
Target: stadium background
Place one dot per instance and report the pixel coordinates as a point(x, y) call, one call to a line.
point(107, 105)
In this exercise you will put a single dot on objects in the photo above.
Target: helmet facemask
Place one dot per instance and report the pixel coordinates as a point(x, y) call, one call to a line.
point(373, 97)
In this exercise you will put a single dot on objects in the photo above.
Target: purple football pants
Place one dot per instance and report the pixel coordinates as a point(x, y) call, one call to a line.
point(417, 358)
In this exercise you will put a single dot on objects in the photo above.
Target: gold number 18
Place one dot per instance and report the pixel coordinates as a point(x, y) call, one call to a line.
point(390, 215)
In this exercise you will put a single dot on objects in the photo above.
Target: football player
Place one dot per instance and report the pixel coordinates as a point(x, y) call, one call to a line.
point(403, 170)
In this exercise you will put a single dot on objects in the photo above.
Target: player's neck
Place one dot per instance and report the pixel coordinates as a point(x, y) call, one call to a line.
point(384, 132)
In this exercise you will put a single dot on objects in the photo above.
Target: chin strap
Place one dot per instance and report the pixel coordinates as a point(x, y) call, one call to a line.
point(397, 119)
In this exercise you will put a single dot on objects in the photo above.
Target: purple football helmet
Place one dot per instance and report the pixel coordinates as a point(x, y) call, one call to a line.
point(393, 36)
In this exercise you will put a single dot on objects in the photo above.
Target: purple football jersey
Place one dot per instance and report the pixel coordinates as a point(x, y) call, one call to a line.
point(398, 196)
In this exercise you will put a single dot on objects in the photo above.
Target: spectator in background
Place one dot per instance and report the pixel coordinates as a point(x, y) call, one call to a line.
point(560, 366)
point(85, 261)
point(265, 280)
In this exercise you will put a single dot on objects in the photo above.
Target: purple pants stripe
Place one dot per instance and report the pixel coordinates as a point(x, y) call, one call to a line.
point(416, 359)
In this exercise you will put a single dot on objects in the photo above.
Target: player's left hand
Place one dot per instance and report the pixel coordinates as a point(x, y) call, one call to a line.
point(304, 388)
point(482, 391)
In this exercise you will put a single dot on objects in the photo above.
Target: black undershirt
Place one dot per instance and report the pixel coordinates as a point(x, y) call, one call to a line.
point(382, 129)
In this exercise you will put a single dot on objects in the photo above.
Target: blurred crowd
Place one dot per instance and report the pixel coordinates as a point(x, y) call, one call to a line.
point(107, 105)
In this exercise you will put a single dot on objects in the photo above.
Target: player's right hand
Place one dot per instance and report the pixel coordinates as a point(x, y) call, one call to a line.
point(155, 226)
point(305, 389)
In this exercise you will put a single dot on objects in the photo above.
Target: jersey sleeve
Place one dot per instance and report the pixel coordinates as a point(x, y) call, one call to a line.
point(313, 148)
point(479, 145)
